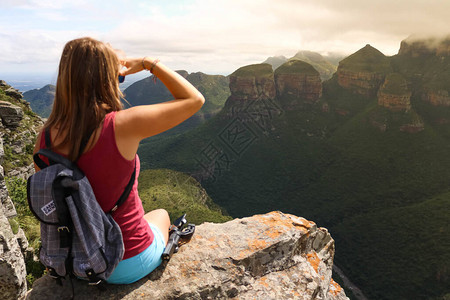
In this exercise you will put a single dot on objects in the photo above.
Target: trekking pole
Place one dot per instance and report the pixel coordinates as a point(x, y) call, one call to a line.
point(178, 236)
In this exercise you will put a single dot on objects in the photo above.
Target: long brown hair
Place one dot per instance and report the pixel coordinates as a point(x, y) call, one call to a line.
point(86, 90)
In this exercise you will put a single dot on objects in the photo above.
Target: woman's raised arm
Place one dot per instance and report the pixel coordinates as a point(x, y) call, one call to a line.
point(139, 122)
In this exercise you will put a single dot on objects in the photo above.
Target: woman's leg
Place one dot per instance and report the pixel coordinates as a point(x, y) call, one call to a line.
point(161, 219)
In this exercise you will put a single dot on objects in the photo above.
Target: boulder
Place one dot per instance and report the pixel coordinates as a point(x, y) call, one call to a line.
point(12, 92)
point(271, 256)
point(3, 84)
point(10, 114)
point(6, 203)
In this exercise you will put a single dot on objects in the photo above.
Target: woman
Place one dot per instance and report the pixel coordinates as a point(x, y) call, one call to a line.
point(88, 125)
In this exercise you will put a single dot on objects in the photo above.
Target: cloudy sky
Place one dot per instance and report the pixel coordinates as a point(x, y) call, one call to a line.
point(214, 37)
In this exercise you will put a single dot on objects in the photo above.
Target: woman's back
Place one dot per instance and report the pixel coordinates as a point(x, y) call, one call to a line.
point(109, 172)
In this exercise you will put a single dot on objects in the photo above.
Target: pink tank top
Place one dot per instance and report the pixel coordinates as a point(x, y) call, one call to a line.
point(109, 172)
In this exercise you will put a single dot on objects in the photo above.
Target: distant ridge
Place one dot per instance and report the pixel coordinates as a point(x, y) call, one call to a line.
point(41, 100)
point(326, 66)
point(213, 87)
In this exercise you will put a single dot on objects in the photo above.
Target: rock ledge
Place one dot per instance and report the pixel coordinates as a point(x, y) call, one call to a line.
point(271, 256)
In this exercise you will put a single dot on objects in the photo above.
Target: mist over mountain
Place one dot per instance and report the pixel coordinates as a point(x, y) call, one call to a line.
point(364, 153)
point(325, 65)
point(275, 61)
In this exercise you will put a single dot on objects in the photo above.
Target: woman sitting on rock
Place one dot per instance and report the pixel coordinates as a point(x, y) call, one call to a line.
point(87, 114)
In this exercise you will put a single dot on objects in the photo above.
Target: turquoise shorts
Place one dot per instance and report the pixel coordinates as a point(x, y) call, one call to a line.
point(134, 268)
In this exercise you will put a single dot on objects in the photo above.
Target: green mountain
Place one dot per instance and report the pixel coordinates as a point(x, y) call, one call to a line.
point(366, 59)
point(368, 159)
point(41, 100)
point(213, 87)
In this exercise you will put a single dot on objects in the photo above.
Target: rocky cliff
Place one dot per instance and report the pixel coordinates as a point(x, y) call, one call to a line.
point(363, 72)
point(394, 94)
point(18, 129)
point(12, 264)
point(428, 63)
point(271, 256)
point(251, 87)
point(291, 85)
point(437, 98)
point(253, 82)
point(299, 82)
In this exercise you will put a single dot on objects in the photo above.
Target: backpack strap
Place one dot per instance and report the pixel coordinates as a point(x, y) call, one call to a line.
point(56, 158)
point(47, 138)
point(48, 143)
point(65, 225)
point(83, 144)
point(126, 192)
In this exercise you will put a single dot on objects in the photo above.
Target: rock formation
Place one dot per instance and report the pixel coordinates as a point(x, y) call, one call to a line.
point(298, 81)
point(363, 72)
point(253, 82)
point(251, 87)
point(413, 127)
point(292, 85)
point(428, 64)
point(17, 133)
point(271, 256)
point(394, 94)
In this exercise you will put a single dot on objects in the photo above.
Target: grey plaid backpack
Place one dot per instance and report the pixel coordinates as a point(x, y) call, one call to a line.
point(77, 237)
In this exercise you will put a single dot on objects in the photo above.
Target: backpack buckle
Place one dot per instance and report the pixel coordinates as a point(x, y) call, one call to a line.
point(93, 278)
point(63, 228)
point(52, 273)
point(95, 283)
